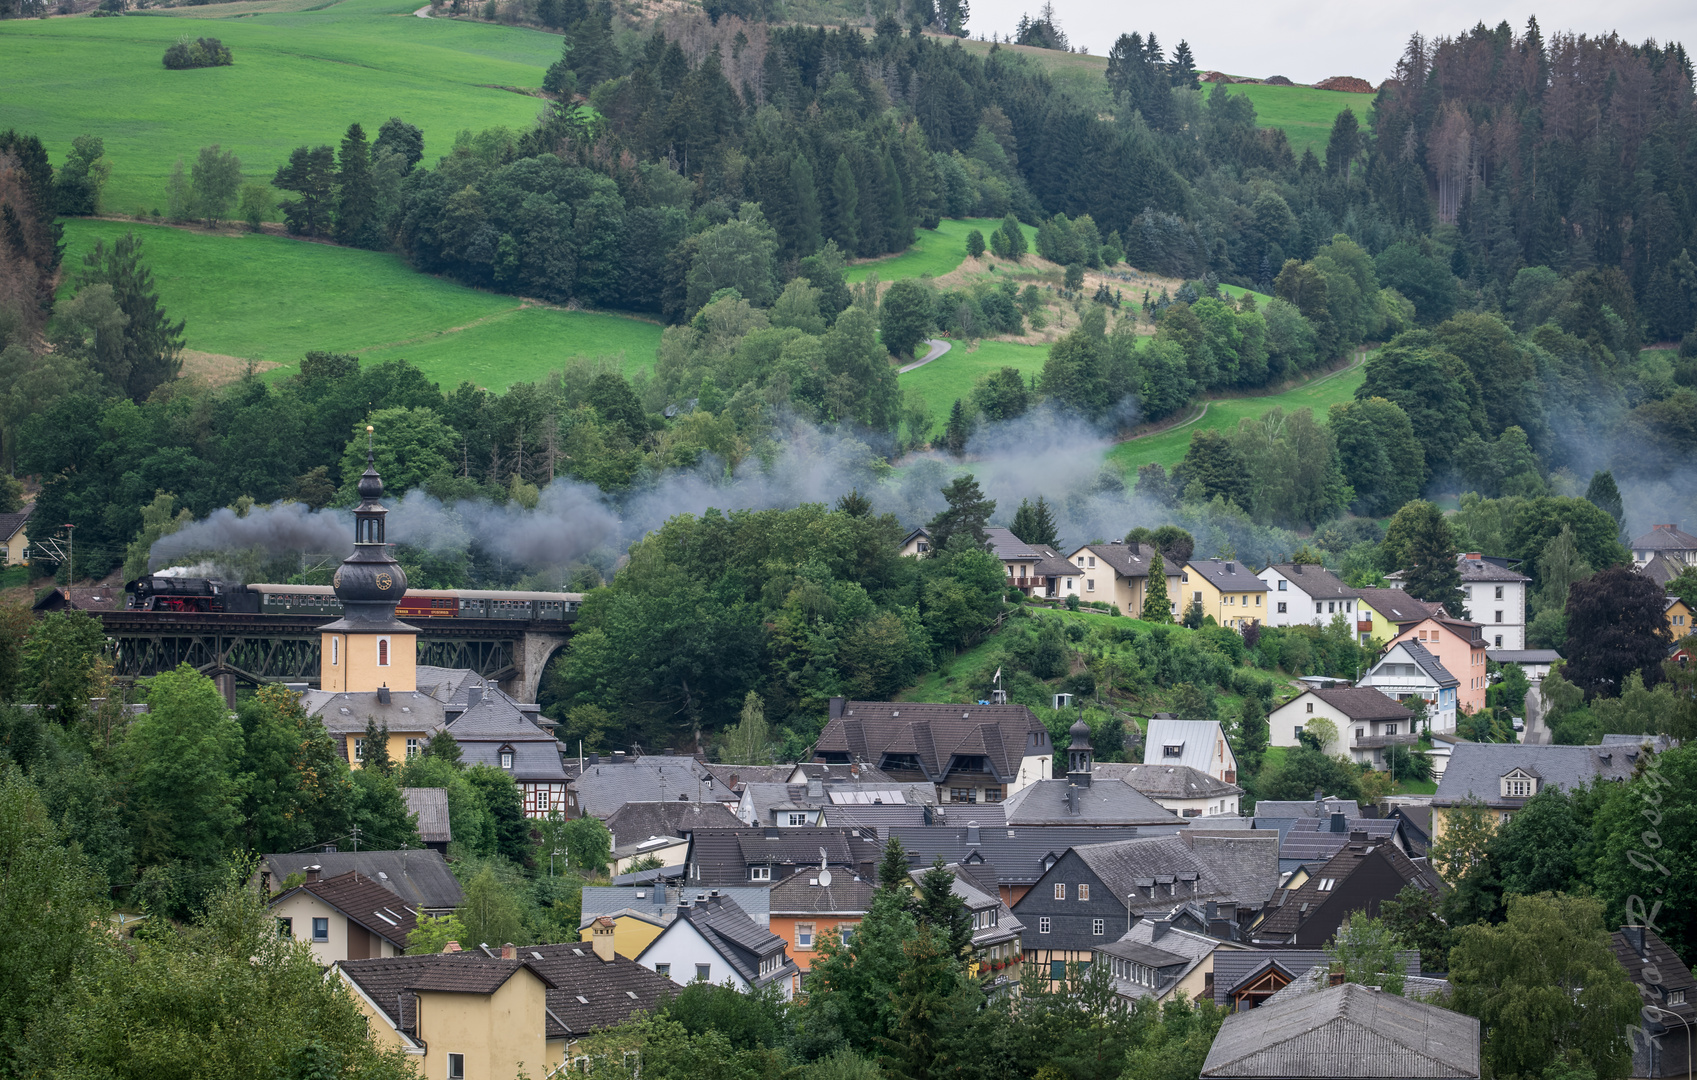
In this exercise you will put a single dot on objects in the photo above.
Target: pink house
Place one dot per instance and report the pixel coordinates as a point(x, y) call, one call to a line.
point(1460, 647)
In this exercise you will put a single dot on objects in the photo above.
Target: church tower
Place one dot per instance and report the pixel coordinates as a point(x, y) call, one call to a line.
point(368, 649)
point(1079, 755)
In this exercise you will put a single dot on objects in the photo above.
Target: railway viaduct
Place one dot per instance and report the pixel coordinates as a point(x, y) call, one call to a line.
point(258, 649)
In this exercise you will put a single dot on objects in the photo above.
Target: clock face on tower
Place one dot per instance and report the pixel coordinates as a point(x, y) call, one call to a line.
point(384, 581)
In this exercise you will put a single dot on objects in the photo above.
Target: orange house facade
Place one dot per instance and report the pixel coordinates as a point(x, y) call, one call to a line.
point(1460, 647)
point(810, 905)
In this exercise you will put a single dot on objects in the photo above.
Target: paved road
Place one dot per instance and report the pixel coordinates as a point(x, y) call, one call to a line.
point(938, 348)
point(423, 12)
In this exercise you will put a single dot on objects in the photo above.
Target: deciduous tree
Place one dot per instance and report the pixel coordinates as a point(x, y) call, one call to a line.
point(1615, 626)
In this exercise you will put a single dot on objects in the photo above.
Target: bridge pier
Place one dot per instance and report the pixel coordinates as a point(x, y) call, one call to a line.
point(531, 654)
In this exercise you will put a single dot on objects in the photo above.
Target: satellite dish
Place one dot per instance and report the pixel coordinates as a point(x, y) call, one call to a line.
point(825, 878)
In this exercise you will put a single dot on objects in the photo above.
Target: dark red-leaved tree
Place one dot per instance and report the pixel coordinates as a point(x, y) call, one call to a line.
point(1615, 625)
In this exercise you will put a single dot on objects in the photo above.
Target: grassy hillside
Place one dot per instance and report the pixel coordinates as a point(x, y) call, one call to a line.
point(933, 253)
point(271, 299)
point(1168, 446)
point(299, 77)
point(952, 375)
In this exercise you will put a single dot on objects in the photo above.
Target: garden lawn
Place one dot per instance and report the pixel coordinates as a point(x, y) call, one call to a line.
point(1168, 447)
point(299, 77)
point(269, 298)
point(934, 252)
point(950, 377)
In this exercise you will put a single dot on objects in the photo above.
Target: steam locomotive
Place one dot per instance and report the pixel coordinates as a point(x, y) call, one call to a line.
point(158, 592)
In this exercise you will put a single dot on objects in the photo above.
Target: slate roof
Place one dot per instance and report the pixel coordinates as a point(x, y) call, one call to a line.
point(1414, 985)
point(590, 993)
point(1227, 575)
point(1661, 569)
point(347, 713)
point(1053, 563)
point(1364, 703)
point(723, 856)
point(391, 982)
point(762, 799)
point(450, 686)
point(1306, 899)
point(733, 777)
point(1523, 656)
point(804, 894)
point(1665, 538)
point(1237, 869)
point(637, 821)
point(1006, 546)
point(835, 773)
point(660, 902)
point(1346, 1031)
point(1234, 968)
point(1313, 840)
point(1174, 956)
point(604, 788)
point(1396, 605)
point(365, 902)
point(1164, 781)
point(1307, 808)
point(1316, 581)
point(1638, 947)
point(1198, 737)
point(420, 878)
point(867, 730)
point(731, 933)
point(878, 819)
point(431, 806)
point(11, 523)
point(1102, 802)
point(1476, 769)
point(1019, 856)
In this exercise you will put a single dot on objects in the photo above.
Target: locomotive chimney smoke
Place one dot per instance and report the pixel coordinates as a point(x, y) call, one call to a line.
point(278, 530)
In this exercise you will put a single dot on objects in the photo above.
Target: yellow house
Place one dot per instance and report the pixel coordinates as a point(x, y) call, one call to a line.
point(1679, 618)
point(456, 1015)
point(1382, 613)
point(633, 930)
point(17, 541)
point(1225, 589)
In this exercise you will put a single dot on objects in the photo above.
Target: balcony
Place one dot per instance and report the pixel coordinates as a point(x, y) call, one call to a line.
point(1379, 742)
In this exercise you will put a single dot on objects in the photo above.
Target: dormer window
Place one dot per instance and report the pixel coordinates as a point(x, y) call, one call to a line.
point(506, 753)
point(760, 873)
point(1519, 784)
point(1171, 750)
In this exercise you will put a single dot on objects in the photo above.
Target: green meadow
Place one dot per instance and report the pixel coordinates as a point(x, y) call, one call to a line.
point(1305, 115)
point(1168, 447)
point(299, 77)
point(951, 376)
point(273, 299)
point(934, 252)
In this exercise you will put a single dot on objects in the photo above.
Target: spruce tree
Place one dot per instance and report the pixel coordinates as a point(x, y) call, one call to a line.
point(1157, 605)
point(955, 434)
point(937, 908)
point(1605, 496)
point(1016, 237)
point(892, 868)
point(975, 244)
point(808, 221)
point(1045, 525)
point(1252, 735)
point(1429, 569)
point(152, 342)
point(1024, 521)
point(356, 195)
point(1182, 70)
point(376, 756)
point(843, 220)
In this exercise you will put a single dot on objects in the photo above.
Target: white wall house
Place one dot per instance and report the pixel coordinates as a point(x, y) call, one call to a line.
point(1200, 744)
point(1299, 595)
point(1408, 670)
point(1368, 722)
point(1495, 597)
point(714, 940)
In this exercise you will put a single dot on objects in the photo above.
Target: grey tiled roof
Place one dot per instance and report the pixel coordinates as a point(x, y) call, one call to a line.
point(660, 902)
point(391, 982)
point(1363, 703)
point(604, 788)
point(1174, 956)
point(637, 821)
point(451, 686)
point(366, 902)
point(1307, 808)
point(732, 934)
point(1476, 769)
point(1486, 570)
point(1126, 560)
point(1316, 581)
point(1165, 781)
point(346, 714)
point(1665, 538)
point(1005, 545)
point(723, 856)
point(431, 806)
point(805, 894)
point(1312, 840)
point(1346, 1031)
point(867, 730)
point(1237, 869)
point(420, 878)
point(835, 773)
point(1306, 900)
point(879, 819)
point(1102, 802)
point(1020, 856)
point(11, 523)
point(1235, 967)
point(733, 777)
point(1227, 575)
point(1661, 569)
point(1523, 656)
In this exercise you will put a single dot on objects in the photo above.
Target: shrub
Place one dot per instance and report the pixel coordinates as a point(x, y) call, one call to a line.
point(197, 53)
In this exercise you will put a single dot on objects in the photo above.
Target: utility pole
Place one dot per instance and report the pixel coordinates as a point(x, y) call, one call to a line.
point(71, 560)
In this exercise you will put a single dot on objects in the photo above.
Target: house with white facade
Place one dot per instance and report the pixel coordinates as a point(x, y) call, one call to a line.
point(1200, 744)
point(713, 940)
point(1410, 670)
point(1495, 595)
point(1185, 791)
point(1368, 722)
point(1303, 593)
point(1118, 573)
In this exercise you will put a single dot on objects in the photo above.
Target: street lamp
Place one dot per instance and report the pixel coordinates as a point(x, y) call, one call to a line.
point(1685, 1023)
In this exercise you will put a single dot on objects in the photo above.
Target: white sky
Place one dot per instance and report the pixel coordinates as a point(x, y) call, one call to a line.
point(1315, 39)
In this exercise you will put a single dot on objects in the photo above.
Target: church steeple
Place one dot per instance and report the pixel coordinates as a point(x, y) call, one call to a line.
point(1079, 754)
point(368, 648)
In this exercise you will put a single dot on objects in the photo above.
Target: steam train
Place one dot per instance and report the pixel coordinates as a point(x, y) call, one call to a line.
point(159, 592)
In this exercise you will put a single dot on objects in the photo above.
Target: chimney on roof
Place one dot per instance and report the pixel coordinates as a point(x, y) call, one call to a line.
point(837, 705)
point(1340, 822)
point(382, 695)
point(815, 788)
point(603, 938)
point(1358, 836)
point(1158, 929)
point(1296, 569)
point(1072, 799)
point(473, 695)
point(509, 951)
point(1634, 936)
point(972, 834)
point(594, 758)
point(1476, 556)
point(452, 946)
point(1319, 796)
point(313, 871)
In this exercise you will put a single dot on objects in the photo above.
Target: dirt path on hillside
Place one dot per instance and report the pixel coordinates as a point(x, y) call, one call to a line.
point(1361, 358)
